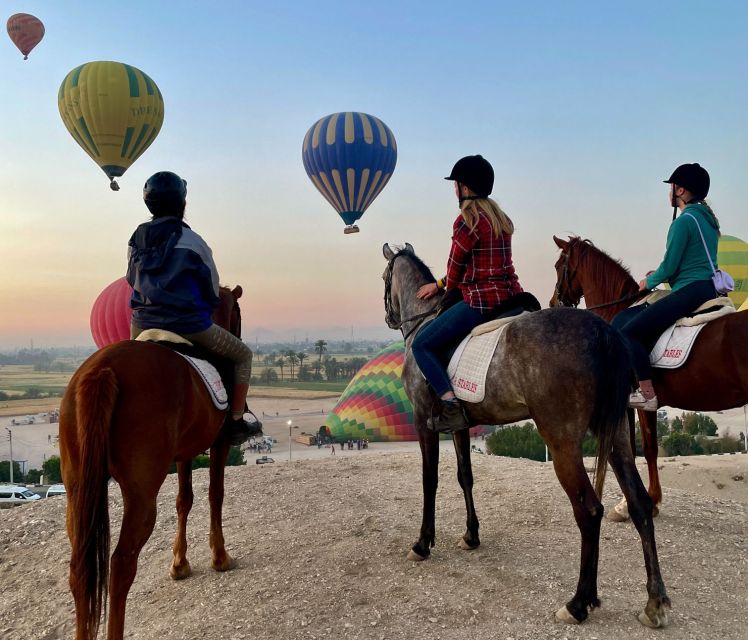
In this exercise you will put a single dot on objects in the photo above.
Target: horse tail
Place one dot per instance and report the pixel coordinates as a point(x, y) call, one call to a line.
point(88, 515)
point(611, 369)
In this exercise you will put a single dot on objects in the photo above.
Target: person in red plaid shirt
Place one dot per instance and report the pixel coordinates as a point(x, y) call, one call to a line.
point(480, 266)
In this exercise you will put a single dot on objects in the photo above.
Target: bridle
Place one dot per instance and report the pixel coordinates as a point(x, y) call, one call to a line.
point(389, 317)
point(566, 279)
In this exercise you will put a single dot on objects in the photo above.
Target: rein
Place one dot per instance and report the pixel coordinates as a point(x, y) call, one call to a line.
point(398, 324)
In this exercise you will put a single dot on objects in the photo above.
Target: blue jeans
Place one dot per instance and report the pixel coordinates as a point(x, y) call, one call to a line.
point(439, 337)
point(644, 324)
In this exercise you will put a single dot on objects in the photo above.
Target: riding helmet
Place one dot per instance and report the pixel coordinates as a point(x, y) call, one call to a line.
point(164, 186)
point(476, 173)
point(692, 177)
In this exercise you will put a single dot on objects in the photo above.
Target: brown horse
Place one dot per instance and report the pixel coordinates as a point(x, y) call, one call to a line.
point(567, 370)
point(714, 378)
point(129, 411)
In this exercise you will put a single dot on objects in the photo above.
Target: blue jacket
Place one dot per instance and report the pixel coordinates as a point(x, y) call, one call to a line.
point(173, 276)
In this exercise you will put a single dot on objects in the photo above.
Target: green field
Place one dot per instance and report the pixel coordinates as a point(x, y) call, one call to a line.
point(17, 379)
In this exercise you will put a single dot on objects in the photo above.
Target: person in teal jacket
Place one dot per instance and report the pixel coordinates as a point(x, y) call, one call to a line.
point(685, 267)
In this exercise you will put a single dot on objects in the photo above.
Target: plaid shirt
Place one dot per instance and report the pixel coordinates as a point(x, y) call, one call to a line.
point(480, 264)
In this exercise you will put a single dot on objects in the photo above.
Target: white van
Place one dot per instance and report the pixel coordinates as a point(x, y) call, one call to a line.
point(56, 490)
point(12, 495)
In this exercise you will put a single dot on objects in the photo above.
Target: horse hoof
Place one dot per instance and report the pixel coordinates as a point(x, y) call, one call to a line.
point(659, 622)
point(564, 616)
point(465, 545)
point(226, 565)
point(180, 572)
point(415, 557)
point(614, 516)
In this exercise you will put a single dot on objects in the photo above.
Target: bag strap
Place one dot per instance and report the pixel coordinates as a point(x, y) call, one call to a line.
point(708, 257)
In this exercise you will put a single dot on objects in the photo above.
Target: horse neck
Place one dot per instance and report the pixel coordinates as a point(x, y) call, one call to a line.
point(409, 281)
point(604, 280)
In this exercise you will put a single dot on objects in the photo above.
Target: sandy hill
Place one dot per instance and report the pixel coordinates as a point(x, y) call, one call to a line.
point(320, 548)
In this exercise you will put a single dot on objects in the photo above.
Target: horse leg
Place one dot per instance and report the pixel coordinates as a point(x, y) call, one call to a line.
point(221, 560)
point(470, 539)
point(648, 425)
point(429, 442)
point(180, 566)
point(620, 513)
point(588, 513)
point(641, 510)
point(138, 520)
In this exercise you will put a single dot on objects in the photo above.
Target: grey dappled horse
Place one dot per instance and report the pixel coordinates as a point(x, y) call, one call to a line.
point(567, 370)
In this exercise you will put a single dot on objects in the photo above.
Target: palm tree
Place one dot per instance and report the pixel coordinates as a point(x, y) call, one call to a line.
point(320, 347)
point(291, 355)
point(280, 362)
point(300, 357)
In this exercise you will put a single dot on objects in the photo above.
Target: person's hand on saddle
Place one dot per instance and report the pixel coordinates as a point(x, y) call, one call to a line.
point(643, 283)
point(427, 291)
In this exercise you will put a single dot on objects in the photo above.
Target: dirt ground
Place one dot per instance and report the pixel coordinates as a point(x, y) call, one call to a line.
point(320, 549)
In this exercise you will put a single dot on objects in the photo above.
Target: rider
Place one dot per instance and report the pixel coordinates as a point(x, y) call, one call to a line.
point(175, 287)
point(685, 267)
point(480, 266)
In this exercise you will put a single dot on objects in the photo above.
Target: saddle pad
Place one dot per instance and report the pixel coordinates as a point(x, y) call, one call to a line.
point(468, 367)
point(495, 324)
point(673, 347)
point(161, 335)
point(717, 308)
point(212, 380)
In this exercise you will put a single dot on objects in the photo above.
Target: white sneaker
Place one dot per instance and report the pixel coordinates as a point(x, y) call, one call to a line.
point(638, 401)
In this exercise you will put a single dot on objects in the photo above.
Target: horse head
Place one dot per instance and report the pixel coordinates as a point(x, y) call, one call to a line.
point(568, 291)
point(228, 315)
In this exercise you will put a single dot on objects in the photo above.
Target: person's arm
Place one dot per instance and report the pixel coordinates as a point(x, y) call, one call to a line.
point(463, 241)
point(677, 238)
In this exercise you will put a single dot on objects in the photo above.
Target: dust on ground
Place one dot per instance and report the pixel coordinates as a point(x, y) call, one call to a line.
point(320, 548)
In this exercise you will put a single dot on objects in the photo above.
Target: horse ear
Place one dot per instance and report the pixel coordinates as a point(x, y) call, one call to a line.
point(387, 252)
point(409, 248)
point(561, 244)
point(237, 291)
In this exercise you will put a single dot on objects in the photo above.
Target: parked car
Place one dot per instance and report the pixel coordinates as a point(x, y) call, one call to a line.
point(13, 495)
point(56, 490)
point(264, 460)
point(23, 420)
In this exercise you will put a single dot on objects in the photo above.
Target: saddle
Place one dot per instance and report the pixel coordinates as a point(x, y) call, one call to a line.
point(674, 345)
point(217, 373)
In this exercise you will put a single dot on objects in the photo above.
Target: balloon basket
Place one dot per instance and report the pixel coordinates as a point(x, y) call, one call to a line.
point(351, 228)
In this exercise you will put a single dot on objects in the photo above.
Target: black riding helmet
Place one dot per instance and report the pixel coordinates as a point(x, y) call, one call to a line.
point(692, 177)
point(476, 173)
point(165, 194)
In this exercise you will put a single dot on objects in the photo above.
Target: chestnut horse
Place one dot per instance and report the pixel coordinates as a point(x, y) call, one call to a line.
point(715, 376)
point(567, 370)
point(130, 410)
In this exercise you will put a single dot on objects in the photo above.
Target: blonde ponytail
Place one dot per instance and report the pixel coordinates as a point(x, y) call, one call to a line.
point(500, 222)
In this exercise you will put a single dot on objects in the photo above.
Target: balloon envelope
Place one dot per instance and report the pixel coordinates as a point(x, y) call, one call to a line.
point(732, 256)
point(350, 158)
point(26, 31)
point(113, 111)
point(374, 405)
point(111, 313)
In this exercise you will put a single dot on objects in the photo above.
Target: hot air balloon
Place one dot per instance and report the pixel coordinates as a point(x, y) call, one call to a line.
point(111, 313)
point(114, 111)
point(350, 158)
point(374, 404)
point(732, 256)
point(26, 31)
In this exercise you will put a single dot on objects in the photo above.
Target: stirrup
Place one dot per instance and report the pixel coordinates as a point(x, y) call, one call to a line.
point(638, 401)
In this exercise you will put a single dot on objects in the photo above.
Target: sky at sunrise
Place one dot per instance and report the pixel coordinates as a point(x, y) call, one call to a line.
point(583, 108)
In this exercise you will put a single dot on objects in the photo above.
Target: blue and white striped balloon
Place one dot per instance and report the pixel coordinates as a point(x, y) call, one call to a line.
point(349, 157)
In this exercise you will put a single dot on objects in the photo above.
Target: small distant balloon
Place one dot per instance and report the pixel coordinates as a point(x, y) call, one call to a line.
point(732, 256)
point(26, 31)
point(349, 157)
point(113, 111)
point(111, 314)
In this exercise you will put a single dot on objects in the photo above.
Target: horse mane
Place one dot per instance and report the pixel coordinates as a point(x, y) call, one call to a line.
point(418, 263)
point(612, 276)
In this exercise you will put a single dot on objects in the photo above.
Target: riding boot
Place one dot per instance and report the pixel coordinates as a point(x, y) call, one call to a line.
point(239, 430)
point(451, 418)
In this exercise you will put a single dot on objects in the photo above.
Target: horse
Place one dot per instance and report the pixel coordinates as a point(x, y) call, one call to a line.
point(715, 376)
point(567, 370)
point(129, 411)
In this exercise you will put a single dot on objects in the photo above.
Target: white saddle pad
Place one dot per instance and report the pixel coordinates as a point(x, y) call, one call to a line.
point(212, 381)
point(468, 367)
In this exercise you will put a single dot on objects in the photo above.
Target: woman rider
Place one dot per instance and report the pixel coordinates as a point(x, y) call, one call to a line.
point(685, 267)
point(480, 266)
point(175, 287)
